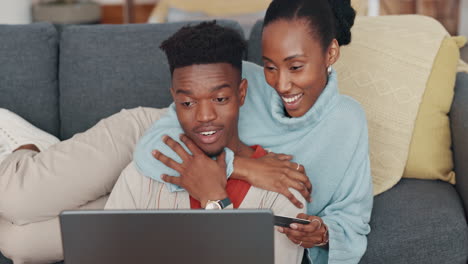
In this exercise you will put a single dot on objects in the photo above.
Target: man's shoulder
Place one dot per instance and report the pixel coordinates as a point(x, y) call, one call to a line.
point(136, 180)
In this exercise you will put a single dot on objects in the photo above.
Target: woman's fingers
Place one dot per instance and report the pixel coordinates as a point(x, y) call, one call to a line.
point(281, 156)
point(300, 175)
point(291, 197)
point(295, 235)
point(299, 187)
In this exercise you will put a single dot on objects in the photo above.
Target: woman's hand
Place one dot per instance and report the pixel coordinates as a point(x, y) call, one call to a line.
point(203, 178)
point(310, 235)
point(274, 172)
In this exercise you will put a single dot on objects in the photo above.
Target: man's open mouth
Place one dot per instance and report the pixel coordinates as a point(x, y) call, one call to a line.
point(209, 136)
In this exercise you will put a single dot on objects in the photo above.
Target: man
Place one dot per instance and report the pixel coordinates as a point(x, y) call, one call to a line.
point(207, 88)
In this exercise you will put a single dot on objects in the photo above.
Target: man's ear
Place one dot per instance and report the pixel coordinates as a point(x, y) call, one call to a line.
point(333, 52)
point(243, 90)
point(172, 93)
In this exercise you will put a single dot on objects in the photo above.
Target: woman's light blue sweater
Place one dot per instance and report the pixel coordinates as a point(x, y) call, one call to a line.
point(331, 142)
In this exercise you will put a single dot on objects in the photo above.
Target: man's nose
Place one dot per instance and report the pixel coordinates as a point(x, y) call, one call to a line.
point(206, 112)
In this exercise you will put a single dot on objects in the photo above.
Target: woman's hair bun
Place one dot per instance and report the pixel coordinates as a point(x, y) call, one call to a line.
point(344, 20)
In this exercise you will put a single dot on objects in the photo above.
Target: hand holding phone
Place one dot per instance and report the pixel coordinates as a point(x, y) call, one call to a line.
point(284, 221)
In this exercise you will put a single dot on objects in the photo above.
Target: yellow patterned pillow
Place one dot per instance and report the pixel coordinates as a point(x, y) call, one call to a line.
point(430, 156)
point(386, 68)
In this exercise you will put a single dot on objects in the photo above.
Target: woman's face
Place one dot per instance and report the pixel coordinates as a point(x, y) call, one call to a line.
point(295, 64)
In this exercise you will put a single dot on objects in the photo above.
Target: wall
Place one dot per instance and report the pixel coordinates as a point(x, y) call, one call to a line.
point(110, 2)
point(463, 26)
point(15, 11)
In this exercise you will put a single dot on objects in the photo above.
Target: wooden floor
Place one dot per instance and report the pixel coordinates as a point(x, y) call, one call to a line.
point(114, 14)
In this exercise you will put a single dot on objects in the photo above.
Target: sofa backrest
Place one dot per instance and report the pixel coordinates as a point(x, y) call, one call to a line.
point(104, 68)
point(254, 50)
point(28, 73)
point(459, 129)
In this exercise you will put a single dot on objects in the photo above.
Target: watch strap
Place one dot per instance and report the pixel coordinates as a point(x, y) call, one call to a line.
point(225, 202)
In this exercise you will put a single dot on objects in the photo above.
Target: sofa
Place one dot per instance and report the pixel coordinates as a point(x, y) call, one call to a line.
point(64, 79)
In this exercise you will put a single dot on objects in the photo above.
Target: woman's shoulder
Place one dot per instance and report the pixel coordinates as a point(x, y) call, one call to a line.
point(252, 72)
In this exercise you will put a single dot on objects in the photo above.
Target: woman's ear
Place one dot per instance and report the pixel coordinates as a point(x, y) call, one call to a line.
point(333, 52)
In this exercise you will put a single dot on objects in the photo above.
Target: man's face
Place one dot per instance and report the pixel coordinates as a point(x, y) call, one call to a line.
point(208, 98)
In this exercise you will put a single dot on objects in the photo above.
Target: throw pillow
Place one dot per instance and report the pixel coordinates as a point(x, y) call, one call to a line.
point(386, 68)
point(430, 155)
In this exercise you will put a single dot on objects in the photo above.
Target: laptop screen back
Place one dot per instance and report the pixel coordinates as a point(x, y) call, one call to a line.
point(177, 236)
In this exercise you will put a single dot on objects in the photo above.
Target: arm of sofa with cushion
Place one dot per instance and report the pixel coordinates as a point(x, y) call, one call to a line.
point(459, 126)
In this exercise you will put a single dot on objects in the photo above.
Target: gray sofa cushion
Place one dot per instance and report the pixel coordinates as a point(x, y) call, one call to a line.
point(28, 73)
point(459, 125)
point(254, 53)
point(104, 68)
point(418, 221)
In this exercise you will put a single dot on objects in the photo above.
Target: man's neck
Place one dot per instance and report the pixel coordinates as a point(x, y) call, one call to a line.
point(242, 150)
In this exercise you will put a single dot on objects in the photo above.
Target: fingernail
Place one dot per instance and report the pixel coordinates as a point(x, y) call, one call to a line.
point(164, 138)
point(301, 206)
point(155, 152)
point(293, 226)
point(280, 229)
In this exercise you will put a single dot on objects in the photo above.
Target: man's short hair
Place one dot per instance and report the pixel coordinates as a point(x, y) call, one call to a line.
point(204, 43)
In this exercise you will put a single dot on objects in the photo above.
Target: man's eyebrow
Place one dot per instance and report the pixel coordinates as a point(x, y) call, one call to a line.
point(181, 91)
point(287, 58)
point(214, 89)
point(219, 87)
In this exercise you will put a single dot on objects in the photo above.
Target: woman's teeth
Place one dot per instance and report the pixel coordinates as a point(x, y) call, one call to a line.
point(292, 99)
point(208, 133)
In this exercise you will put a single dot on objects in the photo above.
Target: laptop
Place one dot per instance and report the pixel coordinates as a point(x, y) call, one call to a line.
point(167, 236)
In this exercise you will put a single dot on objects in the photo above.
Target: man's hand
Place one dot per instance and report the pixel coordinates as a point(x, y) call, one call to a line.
point(274, 172)
point(203, 178)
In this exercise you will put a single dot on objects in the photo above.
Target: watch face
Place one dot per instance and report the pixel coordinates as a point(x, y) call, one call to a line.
point(212, 205)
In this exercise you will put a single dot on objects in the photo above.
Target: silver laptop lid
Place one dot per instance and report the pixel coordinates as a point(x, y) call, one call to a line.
point(168, 236)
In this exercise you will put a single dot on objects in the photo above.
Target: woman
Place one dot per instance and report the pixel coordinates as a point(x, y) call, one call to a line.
point(305, 116)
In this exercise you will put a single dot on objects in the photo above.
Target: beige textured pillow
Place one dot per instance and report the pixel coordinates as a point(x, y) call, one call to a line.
point(386, 69)
point(430, 155)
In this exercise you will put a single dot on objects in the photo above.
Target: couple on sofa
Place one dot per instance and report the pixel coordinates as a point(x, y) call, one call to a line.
point(304, 115)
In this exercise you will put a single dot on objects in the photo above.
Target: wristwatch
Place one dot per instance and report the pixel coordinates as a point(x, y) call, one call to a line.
point(218, 204)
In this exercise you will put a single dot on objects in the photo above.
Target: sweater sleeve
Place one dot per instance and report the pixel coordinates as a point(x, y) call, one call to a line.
point(150, 167)
point(348, 214)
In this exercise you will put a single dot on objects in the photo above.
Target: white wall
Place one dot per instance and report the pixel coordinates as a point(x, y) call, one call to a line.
point(463, 23)
point(373, 8)
point(123, 1)
point(111, 2)
point(15, 11)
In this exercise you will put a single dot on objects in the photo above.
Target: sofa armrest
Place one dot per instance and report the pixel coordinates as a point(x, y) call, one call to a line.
point(459, 127)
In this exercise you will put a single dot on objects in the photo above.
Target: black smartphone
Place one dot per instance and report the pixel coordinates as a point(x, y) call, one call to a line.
point(286, 221)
